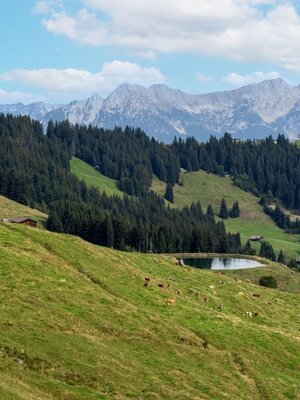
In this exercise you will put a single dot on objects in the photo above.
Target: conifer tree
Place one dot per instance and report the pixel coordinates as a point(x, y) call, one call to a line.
point(210, 211)
point(247, 248)
point(235, 211)
point(223, 210)
point(169, 193)
point(281, 258)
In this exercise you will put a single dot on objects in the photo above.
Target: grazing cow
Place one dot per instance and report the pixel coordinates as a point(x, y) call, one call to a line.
point(221, 306)
point(237, 280)
point(178, 292)
point(146, 284)
point(206, 299)
point(248, 314)
point(256, 295)
point(192, 291)
point(147, 279)
point(221, 282)
point(171, 302)
point(161, 285)
point(256, 314)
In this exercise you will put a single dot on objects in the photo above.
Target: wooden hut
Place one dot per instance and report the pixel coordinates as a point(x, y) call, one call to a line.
point(24, 221)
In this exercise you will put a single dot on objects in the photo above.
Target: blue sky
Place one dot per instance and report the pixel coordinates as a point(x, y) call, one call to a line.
point(59, 50)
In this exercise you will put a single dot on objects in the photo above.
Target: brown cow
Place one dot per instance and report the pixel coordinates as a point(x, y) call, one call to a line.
point(171, 302)
point(161, 285)
point(256, 295)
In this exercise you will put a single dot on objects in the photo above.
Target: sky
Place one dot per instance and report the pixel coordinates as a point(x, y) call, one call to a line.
point(60, 50)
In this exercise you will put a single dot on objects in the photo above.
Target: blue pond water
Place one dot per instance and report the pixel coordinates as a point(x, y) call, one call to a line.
point(221, 263)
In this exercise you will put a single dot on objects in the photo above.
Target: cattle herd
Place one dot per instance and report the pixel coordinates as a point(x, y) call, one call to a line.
point(172, 301)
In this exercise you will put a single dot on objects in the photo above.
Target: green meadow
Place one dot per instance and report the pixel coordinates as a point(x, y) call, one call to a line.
point(77, 322)
point(11, 209)
point(210, 189)
point(92, 177)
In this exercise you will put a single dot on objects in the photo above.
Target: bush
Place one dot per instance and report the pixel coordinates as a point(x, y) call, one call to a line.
point(268, 281)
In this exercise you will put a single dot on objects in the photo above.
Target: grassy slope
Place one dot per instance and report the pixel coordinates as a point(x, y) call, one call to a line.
point(10, 209)
point(93, 177)
point(77, 323)
point(209, 188)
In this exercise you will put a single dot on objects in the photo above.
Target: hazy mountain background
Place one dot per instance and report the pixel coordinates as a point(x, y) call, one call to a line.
point(253, 111)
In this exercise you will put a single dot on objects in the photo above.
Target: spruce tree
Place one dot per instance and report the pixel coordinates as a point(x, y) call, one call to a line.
point(210, 211)
point(235, 211)
point(169, 193)
point(247, 248)
point(281, 258)
point(223, 210)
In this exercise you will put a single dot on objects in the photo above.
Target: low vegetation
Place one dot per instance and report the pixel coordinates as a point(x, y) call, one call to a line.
point(268, 281)
point(80, 321)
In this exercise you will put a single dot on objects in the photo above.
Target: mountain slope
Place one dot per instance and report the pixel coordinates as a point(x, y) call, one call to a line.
point(210, 189)
point(92, 177)
point(253, 111)
point(11, 209)
point(77, 323)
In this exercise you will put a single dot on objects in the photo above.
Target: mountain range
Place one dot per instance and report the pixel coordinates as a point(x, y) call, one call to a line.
point(252, 111)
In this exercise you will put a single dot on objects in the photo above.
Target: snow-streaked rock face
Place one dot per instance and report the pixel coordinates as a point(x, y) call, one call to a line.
point(253, 111)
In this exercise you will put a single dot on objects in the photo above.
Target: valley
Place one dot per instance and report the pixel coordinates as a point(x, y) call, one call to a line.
point(150, 200)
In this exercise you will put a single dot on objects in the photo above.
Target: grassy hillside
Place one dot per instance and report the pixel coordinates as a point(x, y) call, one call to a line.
point(210, 189)
point(10, 209)
point(76, 322)
point(92, 177)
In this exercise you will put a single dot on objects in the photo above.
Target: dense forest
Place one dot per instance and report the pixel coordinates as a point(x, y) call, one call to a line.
point(34, 170)
point(270, 167)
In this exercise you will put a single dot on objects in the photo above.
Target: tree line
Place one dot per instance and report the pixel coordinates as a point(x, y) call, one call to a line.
point(130, 156)
point(34, 170)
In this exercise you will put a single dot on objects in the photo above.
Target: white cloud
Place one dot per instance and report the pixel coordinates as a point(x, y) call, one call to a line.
point(46, 6)
point(18, 97)
point(237, 29)
point(204, 78)
point(74, 81)
point(255, 77)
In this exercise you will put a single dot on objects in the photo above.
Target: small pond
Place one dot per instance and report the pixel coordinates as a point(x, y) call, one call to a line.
point(220, 263)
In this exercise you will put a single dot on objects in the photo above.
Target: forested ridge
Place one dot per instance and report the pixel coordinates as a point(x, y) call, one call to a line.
point(34, 170)
point(130, 156)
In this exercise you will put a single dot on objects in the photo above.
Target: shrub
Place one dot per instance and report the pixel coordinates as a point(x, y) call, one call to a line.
point(268, 281)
